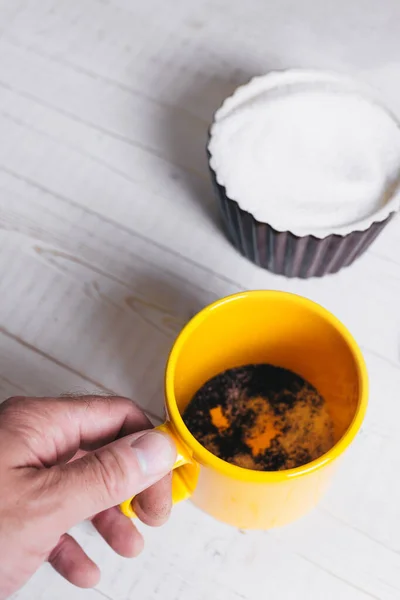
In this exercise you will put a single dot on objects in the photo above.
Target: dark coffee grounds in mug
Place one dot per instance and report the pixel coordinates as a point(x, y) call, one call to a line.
point(260, 417)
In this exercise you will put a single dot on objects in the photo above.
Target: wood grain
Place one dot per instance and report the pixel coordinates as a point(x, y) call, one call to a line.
point(110, 241)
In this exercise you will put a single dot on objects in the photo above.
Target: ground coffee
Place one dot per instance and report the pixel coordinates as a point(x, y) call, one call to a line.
point(260, 417)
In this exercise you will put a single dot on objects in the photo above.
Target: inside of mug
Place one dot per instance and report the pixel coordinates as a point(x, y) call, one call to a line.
point(279, 329)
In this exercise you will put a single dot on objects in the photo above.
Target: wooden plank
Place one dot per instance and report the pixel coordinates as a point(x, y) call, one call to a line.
point(27, 371)
point(146, 214)
point(110, 242)
point(54, 221)
point(120, 312)
point(237, 564)
point(62, 277)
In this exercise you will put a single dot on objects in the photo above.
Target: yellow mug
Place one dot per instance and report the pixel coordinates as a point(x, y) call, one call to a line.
point(261, 327)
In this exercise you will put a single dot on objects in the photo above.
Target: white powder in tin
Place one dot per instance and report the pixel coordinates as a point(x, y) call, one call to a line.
point(308, 160)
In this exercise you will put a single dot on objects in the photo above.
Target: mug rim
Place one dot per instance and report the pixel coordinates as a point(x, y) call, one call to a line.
point(207, 458)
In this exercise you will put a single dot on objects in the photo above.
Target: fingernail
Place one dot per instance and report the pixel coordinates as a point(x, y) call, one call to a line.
point(155, 453)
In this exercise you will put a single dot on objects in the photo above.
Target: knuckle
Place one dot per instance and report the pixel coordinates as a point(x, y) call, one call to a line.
point(56, 554)
point(19, 417)
point(110, 471)
point(12, 403)
point(154, 504)
point(12, 411)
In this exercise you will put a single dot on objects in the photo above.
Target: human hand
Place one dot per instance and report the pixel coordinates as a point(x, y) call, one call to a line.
point(63, 460)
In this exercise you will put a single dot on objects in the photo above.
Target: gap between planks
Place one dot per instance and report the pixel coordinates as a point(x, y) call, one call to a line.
point(62, 365)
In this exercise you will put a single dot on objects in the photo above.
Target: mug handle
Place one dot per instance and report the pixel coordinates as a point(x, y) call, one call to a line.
point(183, 483)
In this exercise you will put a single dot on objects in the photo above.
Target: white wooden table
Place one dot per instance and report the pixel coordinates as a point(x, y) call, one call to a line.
point(110, 242)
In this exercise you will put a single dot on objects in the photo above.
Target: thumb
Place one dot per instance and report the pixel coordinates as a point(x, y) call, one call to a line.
point(110, 475)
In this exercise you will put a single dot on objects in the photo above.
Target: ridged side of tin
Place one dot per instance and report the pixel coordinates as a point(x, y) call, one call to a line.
point(286, 254)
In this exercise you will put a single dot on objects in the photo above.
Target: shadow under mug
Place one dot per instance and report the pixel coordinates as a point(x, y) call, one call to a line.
point(261, 327)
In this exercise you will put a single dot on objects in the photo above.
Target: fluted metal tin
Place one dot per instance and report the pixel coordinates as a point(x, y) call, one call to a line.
point(283, 252)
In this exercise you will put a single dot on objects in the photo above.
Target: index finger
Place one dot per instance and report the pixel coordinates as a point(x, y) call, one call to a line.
point(52, 430)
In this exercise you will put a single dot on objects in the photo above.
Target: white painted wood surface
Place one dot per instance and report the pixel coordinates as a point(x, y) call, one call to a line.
point(110, 242)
